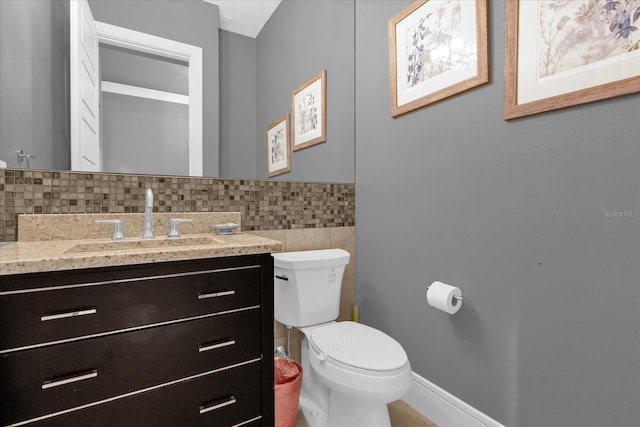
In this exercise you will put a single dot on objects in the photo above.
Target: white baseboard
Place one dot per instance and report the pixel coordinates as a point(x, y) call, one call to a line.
point(442, 407)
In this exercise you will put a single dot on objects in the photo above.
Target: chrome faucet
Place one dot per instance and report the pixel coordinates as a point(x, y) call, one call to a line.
point(21, 157)
point(148, 212)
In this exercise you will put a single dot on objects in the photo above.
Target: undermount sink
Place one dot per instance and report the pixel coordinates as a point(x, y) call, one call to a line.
point(158, 243)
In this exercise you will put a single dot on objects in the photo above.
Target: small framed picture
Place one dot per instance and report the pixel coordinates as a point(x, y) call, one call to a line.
point(437, 49)
point(564, 53)
point(309, 112)
point(278, 147)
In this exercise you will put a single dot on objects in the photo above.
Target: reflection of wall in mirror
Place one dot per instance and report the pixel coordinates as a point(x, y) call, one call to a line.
point(34, 80)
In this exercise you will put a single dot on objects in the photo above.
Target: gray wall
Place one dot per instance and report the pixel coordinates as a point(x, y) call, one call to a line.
point(237, 105)
point(188, 21)
point(34, 105)
point(126, 66)
point(154, 140)
point(299, 40)
point(521, 216)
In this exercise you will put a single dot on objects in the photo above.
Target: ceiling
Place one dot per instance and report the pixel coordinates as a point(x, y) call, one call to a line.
point(246, 17)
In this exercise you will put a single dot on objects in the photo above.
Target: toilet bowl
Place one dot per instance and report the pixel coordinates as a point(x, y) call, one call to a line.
point(351, 371)
point(363, 369)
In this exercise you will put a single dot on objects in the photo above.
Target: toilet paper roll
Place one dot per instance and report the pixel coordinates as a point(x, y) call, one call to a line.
point(443, 296)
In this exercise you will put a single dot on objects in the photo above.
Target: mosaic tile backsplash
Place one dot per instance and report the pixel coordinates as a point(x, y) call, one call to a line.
point(264, 205)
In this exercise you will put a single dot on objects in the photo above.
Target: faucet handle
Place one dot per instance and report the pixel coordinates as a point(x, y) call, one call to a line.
point(117, 227)
point(174, 226)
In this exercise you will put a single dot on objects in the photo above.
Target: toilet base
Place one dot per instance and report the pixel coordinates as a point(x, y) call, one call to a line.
point(345, 412)
point(314, 415)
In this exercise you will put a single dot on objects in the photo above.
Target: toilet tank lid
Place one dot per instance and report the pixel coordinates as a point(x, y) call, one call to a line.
point(311, 259)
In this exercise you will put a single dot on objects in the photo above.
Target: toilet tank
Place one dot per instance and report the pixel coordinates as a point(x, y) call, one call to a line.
point(307, 286)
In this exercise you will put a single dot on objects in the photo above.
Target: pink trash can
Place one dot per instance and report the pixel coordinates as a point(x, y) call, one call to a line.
point(288, 379)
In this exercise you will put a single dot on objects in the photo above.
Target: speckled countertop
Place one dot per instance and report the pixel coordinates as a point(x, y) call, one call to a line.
point(62, 254)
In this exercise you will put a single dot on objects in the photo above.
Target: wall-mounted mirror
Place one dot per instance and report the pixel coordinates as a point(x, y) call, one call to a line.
point(247, 83)
point(93, 96)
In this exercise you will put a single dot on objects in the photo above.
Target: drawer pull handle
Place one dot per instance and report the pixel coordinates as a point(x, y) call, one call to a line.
point(69, 379)
point(68, 314)
point(216, 294)
point(217, 344)
point(217, 404)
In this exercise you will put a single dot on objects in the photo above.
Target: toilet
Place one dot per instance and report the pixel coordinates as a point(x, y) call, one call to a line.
point(350, 370)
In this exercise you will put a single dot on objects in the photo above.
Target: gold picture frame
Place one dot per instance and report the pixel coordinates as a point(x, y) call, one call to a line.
point(309, 112)
point(437, 49)
point(558, 69)
point(278, 147)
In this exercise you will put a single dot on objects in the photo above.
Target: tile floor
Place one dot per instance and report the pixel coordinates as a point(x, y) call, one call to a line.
point(401, 414)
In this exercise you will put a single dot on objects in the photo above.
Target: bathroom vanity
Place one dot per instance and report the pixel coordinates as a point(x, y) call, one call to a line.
point(137, 337)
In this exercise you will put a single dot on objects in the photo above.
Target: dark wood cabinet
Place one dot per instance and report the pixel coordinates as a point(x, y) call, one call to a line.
point(183, 343)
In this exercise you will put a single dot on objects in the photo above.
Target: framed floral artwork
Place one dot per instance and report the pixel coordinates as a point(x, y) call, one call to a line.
point(560, 53)
point(437, 49)
point(278, 147)
point(309, 112)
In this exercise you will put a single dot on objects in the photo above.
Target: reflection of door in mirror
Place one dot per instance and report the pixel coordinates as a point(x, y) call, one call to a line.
point(150, 103)
point(84, 89)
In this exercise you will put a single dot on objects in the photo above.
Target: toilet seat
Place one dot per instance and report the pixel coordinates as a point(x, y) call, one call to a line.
point(354, 345)
point(359, 361)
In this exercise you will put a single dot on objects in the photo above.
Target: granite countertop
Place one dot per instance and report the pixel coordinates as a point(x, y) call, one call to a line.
point(67, 242)
point(55, 255)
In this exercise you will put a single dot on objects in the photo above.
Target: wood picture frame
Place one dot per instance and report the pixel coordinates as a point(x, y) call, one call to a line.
point(309, 112)
point(278, 147)
point(588, 52)
point(437, 49)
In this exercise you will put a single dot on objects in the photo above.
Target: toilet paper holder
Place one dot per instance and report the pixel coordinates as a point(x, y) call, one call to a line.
point(457, 298)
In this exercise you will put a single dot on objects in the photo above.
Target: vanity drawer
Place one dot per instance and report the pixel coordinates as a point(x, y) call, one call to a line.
point(97, 304)
point(235, 391)
point(48, 379)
